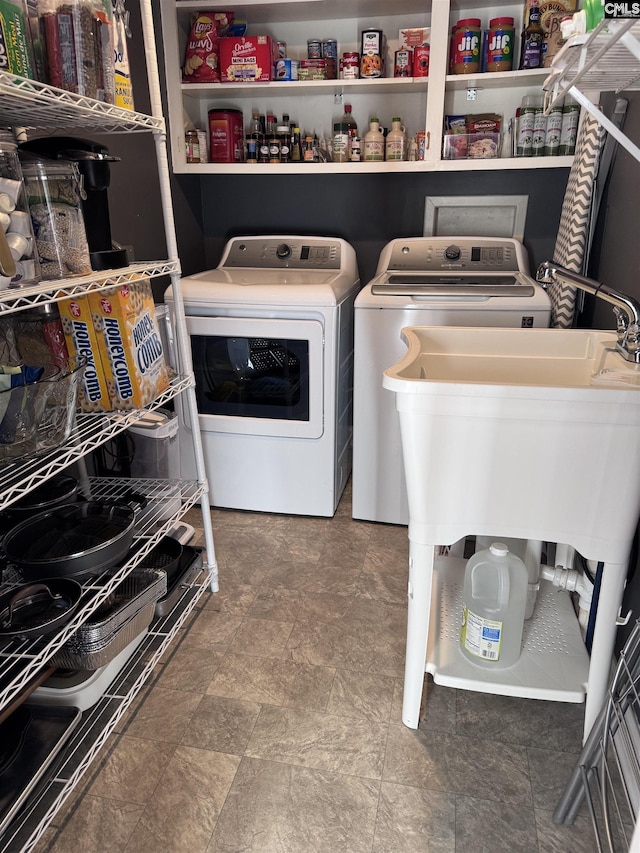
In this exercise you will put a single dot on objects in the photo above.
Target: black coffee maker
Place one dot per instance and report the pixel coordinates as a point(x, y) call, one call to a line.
point(93, 161)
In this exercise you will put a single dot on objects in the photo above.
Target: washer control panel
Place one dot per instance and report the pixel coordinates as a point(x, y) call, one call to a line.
point(282, 253)
point(468, 254)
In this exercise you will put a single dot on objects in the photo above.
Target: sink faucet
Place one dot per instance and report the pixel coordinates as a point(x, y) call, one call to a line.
point(626, 309)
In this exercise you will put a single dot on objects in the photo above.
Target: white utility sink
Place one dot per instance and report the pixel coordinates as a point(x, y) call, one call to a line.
point(524, 433)
point(573, 358)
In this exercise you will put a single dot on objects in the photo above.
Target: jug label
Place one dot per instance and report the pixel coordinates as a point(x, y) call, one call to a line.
point(481, 637)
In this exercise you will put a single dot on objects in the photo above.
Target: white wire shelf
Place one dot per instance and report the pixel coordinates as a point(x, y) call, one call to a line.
point(22, 659)
point(91, 431)
point(97, 725)
point(604, 60)
point(18, 298)
point(28, 103)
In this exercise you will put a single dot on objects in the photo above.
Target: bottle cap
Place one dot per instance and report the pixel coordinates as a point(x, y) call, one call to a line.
point(499, 549)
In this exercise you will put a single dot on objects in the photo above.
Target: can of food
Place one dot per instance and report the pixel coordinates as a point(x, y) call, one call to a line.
point(350, 66)
point(282, 49)
point(286, 69)
point(314, 49)
point(312, 69)
point(226, 136)
point(371, 53)
point(330, 49)
point(403, 63)
point(421, 60)
point(331, 68)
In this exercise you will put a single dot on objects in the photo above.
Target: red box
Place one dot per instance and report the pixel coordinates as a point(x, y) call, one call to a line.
point(248, 59)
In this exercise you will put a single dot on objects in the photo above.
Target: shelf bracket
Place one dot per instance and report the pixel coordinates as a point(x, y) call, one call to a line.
point(472, 93)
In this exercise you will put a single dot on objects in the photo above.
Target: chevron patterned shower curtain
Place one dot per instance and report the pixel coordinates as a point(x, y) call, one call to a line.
point(571, 242)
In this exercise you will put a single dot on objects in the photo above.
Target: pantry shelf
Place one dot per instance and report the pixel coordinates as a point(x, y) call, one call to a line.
point(22, 658)
point(91, 431)
point(382, 85)
point(28, 103)
point(99, 723)
point(17, 299)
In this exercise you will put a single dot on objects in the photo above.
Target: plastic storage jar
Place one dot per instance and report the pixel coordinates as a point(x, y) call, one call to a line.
point(500, 44)
point(79, 46)
point(466, 45)
point(494, 603)
point(54, 191)
point(15, 220)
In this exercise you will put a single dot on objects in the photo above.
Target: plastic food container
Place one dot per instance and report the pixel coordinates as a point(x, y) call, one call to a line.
point(15, 221)
point(58, 414)
point(21, 413)
point(54, 193)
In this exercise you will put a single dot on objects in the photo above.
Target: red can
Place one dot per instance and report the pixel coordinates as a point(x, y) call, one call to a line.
point(350, 66)
point(226, 136)
point(403, 63)
point(421, 60)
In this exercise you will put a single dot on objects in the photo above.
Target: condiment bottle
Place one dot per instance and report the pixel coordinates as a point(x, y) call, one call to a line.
point(524, 141)
point(352, 127)
point(554, 129)
point(532, 39)
point(500, 44)
point(569, 130)
point(374, 141)
point(396, 141)
point(467, 41)
point(340, 142)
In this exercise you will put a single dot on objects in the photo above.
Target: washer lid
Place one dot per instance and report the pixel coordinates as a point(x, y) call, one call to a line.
point(449, 286)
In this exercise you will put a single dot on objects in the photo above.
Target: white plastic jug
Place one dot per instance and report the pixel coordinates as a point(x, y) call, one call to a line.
point(494, 600)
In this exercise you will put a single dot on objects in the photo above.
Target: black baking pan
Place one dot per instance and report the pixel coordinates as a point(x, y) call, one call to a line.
point(38, 609)
point(60, 489)
point(72, 540)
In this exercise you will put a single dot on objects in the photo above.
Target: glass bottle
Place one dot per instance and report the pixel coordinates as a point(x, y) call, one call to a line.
point(532, 39)
point(340, 142)
point(352, 128)
point(255, 128)
point(285, 141)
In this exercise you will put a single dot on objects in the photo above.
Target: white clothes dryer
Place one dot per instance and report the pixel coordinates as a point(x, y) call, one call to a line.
point(271, 332)
point(424, 281)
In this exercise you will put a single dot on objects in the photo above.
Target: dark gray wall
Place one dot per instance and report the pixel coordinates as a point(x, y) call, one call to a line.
point(367, 210)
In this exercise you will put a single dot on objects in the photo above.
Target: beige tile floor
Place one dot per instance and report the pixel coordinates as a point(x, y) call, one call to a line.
point(274, 726)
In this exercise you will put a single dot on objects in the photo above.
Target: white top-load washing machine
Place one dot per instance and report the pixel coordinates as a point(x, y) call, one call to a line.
point(424, 281)
point(271, 332)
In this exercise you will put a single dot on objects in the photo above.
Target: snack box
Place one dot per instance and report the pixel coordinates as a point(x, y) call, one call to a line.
point(248, 59)
point(130, 344)
point(15, 40)
point(82, 339)
point(414, 36)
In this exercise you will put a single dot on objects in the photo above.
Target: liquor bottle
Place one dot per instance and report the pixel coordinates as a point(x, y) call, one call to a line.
point(532, 39)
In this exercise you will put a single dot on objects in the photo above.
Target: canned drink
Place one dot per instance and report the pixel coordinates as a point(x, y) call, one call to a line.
point(371, 53)
point(350, 66)
point(403, 63)
point(421, 60)
point(330, 49)
point(314, 49)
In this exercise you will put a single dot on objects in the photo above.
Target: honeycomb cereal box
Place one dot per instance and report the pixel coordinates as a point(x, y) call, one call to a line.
point(130, 344)
point(82, 339)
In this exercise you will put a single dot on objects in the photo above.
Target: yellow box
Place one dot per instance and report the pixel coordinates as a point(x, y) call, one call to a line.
point(130, 344)
point(82, 339)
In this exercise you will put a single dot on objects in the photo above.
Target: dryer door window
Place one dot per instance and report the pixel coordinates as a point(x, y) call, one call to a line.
point(262, 377)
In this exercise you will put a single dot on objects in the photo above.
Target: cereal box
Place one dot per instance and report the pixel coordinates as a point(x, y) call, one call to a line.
point(130, 344)
point(247, 59)
point(82, 339)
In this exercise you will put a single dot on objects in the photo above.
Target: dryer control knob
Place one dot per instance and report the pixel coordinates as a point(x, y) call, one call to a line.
point(283, 251)
point(452, 253)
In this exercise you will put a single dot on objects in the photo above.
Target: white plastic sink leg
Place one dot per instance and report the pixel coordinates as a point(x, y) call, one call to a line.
point(421, 560)
point(604, 635)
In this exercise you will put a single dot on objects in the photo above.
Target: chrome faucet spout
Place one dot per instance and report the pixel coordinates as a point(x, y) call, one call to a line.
point(626, 309)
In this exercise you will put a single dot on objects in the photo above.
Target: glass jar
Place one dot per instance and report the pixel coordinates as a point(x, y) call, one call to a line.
point(54, 193)
point(79, 46)
point(15, 221)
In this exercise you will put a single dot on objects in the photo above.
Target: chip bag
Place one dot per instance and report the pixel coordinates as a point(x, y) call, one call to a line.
point(202, 58)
